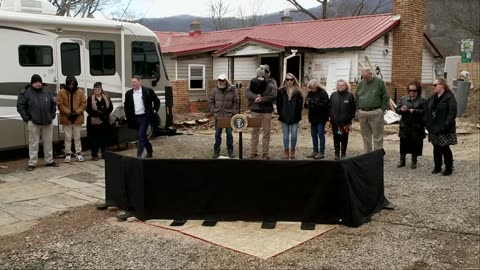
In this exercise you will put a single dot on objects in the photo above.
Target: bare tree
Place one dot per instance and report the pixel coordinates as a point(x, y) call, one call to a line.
point(299, 7)
point(345, 7)
point(461, 14)
point(254, 17)
point(81, 8)
point(219, 11)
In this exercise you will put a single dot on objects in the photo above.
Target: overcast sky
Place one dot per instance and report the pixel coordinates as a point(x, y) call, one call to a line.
point(166, 8)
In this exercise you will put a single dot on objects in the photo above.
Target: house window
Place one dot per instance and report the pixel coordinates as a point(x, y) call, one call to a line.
point(35, 56)
point(145, 61)
point(386, 39)
point(70, 59)
point(196, 77)
point(102, 57)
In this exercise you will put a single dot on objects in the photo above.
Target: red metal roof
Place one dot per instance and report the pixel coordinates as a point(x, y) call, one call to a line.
point(338, 33)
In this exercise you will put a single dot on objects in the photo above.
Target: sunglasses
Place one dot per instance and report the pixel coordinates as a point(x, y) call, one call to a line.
point(288, 79)
point(71, 84)
point(434, 85)
point(267, 71)
point(412, 90)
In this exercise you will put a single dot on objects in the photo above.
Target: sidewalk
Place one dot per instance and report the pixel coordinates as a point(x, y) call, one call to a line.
point(26, 197)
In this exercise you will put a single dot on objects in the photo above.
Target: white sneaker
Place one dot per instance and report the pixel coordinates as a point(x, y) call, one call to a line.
point(80, 158)
point(67, 158)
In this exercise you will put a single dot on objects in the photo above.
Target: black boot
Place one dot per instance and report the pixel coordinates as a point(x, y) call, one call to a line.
point(336, 145)
point(216, 154)
point(448, 158)
point(402, 162)
point(337, 155)
point(414, 162)
point(344, 150)
point(437, 159)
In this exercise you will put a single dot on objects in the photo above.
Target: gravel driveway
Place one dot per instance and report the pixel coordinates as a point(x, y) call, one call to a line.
point(436, 224)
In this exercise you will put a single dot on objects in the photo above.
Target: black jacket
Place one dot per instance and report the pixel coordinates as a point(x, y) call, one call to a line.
point(268, 96)
point(317, 106)
point(151, 103)
point(289, 111)
point(440, 113)
point(411, 125)
point(37, 105)
point(342, 108)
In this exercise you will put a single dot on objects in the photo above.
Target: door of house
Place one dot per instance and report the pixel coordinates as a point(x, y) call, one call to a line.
point(337, 69)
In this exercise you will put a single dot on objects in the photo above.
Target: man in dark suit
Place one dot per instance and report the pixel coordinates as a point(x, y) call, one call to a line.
point(141, 107)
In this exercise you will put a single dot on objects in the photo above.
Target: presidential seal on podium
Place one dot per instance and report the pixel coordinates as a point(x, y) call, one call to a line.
point(239, 122)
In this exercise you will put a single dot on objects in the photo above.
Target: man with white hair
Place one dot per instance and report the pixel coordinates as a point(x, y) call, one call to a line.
point(372, 101)
point(224, 102)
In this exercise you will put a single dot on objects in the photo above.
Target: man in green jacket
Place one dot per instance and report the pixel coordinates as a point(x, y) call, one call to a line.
point(372, 101)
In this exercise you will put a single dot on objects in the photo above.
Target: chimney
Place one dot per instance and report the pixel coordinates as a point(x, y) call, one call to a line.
point(286, 16)
point(407, 48)
point(195, 28)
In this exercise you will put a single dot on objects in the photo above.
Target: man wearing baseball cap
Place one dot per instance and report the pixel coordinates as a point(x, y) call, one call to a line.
point(224, 102)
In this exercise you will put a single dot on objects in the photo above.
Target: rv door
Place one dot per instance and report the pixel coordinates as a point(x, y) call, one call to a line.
point(71, 61)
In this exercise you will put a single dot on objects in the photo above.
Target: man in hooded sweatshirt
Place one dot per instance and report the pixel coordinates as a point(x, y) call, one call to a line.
point(37, 107)
point(72, 102)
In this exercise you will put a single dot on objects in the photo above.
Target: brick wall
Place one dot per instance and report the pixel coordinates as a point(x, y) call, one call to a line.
point(407, 43)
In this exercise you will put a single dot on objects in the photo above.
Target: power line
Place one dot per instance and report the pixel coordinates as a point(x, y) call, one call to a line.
point(125, 10)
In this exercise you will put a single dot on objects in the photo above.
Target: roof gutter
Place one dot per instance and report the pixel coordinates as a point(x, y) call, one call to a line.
point(294, 53)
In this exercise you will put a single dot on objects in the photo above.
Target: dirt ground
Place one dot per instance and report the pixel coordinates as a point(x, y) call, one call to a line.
point(436, 224)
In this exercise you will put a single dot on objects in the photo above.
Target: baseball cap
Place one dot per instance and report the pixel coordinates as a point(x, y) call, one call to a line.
point(222, 77)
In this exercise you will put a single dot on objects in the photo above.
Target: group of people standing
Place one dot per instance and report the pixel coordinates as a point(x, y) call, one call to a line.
point(437, 115)
point(262, 95)
point(37, 106)
point(371, 100)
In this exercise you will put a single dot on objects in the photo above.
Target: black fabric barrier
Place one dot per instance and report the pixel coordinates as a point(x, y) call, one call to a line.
point(348, 191)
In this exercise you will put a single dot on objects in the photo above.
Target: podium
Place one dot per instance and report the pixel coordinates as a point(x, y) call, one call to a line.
point(252, 123)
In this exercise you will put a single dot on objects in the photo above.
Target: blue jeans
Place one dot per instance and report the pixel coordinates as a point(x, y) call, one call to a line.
point(218, 139)
point(289, 135)
point(143, 142)
point(318, 132)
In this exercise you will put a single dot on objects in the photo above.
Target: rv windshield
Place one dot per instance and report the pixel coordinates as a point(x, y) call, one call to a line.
point(144, 59)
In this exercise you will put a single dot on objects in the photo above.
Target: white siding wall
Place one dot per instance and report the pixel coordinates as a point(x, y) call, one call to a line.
point(427, 66)
point(316, 65)
point(244, 68)
point(220, 66)
point(377, 58)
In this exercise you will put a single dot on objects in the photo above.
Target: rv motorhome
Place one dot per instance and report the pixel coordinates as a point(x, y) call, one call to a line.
point(35, 41)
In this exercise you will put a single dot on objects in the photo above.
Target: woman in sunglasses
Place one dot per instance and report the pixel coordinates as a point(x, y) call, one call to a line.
point(412, 127)
point(289, 107)
point(440, 114)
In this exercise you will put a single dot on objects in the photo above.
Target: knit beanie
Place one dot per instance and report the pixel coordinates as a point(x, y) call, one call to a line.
point(36, 78)
point(261, 71)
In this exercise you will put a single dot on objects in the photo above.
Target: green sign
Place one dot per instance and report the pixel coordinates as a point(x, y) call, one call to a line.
point(466, 50)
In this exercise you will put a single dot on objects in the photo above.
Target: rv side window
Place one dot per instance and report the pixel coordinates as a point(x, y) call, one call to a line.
point(102, 57)
point(29, 55)
point(144, 59)
point(70, 59)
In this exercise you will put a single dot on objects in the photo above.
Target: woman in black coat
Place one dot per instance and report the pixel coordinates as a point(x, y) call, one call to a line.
point(412, 127)
point(289, 107)
point(440, 114)
point(99, 108)
point(317, 106)
point(342, 112)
